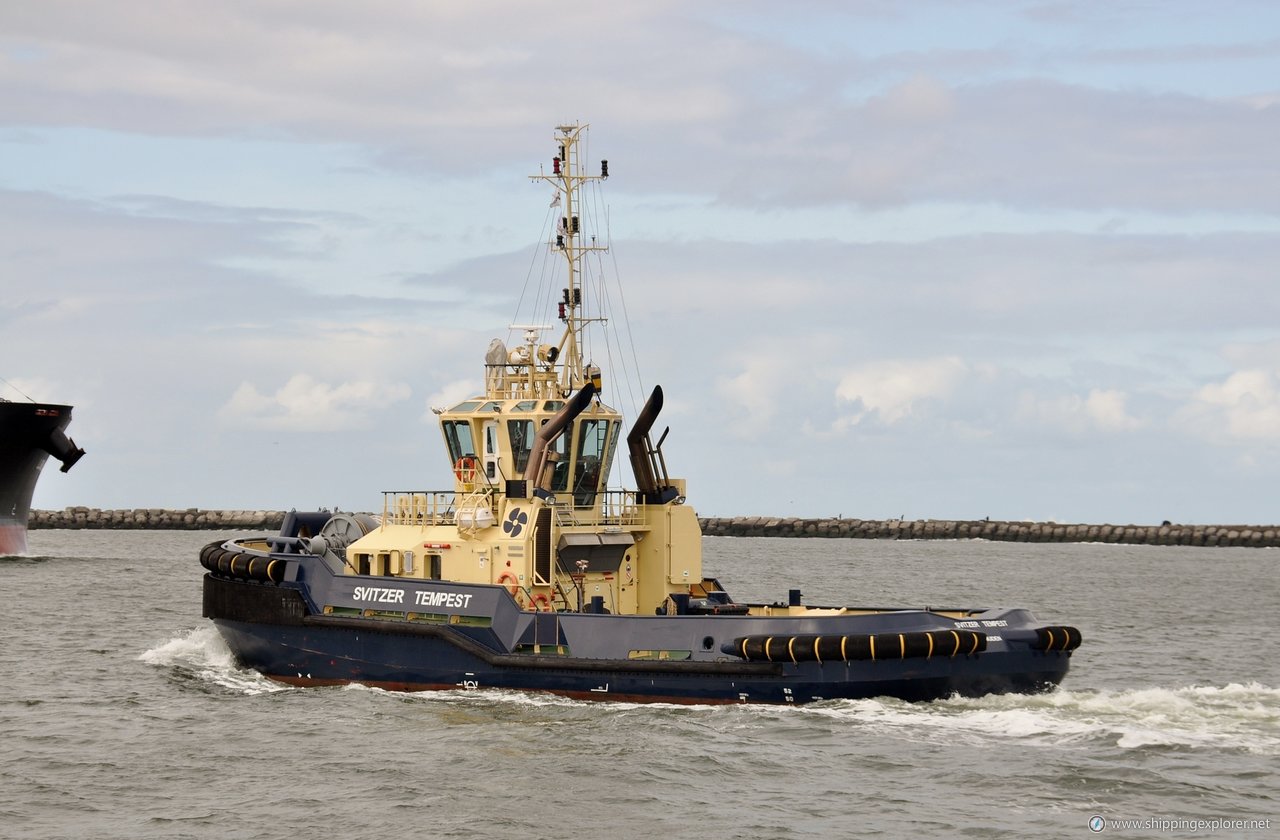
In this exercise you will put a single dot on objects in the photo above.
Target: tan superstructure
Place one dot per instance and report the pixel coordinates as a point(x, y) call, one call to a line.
point(530, 508)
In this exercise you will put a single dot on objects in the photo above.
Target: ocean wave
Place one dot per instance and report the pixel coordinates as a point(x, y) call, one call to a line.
point(203, 655)
point(1244, 717)
point(1241, 717)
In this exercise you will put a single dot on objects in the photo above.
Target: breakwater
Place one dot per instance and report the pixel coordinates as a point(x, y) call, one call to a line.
point(1253, 536)
point(160, 519)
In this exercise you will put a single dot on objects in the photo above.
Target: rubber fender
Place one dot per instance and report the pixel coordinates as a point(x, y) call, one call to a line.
point(257, 568)
point(216, 562)
point(267, 569)
point(224, 561)
point(1059, 638)
point(241, 564)
point(209, 555)
point(876, 646)
point(261, 567)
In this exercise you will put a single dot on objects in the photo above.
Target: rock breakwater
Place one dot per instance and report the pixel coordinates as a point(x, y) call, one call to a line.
point(162, 519)
point(1255, 536)
point(1251, 536)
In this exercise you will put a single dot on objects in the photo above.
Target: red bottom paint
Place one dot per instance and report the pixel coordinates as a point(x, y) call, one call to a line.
point(13, 539)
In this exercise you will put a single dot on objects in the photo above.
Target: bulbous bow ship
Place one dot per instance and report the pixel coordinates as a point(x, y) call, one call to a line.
point(531, 573)
point(29, 433)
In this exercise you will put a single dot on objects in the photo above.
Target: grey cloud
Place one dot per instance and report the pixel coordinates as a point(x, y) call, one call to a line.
point(764, 122)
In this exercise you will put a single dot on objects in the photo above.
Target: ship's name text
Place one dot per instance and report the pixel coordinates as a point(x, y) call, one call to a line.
point(381, 595)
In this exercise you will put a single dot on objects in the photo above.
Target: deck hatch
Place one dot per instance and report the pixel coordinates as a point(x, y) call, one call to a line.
point(603, 552)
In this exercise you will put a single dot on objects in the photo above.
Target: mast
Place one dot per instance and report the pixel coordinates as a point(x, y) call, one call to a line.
point(568, 174)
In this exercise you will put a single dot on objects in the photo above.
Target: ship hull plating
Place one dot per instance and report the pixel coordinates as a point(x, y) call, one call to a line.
point(29, 434)
point(273, 629)
point(13, 538)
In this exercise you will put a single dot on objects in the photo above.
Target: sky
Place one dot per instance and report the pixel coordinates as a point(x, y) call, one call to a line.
point(1015, 260)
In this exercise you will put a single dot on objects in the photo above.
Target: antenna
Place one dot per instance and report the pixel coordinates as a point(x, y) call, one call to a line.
point(568, 174)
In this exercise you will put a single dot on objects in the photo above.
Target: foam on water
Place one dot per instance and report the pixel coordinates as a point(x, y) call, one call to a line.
point(1244, 717)
point(203, 654)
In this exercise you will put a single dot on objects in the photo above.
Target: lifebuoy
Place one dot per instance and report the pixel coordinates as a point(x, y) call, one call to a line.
point(540, 602)
point(512, 587)
point(465, 469)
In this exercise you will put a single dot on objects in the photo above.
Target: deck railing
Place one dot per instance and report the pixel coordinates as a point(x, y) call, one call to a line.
point(438, 507)
point(416, 507)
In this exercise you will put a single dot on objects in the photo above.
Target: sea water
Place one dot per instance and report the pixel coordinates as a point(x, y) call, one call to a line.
point(123, 715)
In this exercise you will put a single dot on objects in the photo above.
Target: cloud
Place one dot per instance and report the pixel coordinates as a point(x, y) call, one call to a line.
point(867, 220)
point(1246, 355)
point(305, 405)
point(893, 390)
point(1242, 409)
point(927, 141)
point(426, 88)
point(1107, 411)
point(754, 395)
point(449, 395)
point(1101, 410)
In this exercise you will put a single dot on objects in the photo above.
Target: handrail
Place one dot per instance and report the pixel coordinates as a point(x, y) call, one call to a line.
point(418, 507)
point(618, 507)
point(440, 507)
point(522, 381)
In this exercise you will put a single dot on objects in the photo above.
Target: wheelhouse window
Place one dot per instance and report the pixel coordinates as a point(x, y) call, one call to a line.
point(457, 436)
point(593, 442)
point(521, 433)
point(491, 449)
point(560, 475)
point(613, 447)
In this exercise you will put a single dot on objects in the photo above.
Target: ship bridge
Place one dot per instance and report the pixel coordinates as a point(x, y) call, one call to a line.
point(531, 456)
point(527, 434)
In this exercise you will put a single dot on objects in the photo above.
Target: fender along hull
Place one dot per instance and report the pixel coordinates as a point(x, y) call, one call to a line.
point(272, 629)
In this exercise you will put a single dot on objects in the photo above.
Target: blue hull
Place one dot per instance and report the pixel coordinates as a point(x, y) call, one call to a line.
point(291, 631)
point(314, 656)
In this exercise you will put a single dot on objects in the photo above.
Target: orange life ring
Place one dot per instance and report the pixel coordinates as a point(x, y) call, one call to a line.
point(540, 602)
point(464, 469)
point(514, 586)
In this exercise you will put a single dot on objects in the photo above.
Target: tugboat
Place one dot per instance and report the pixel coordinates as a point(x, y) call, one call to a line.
point(530, 573)
point(29, 433)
